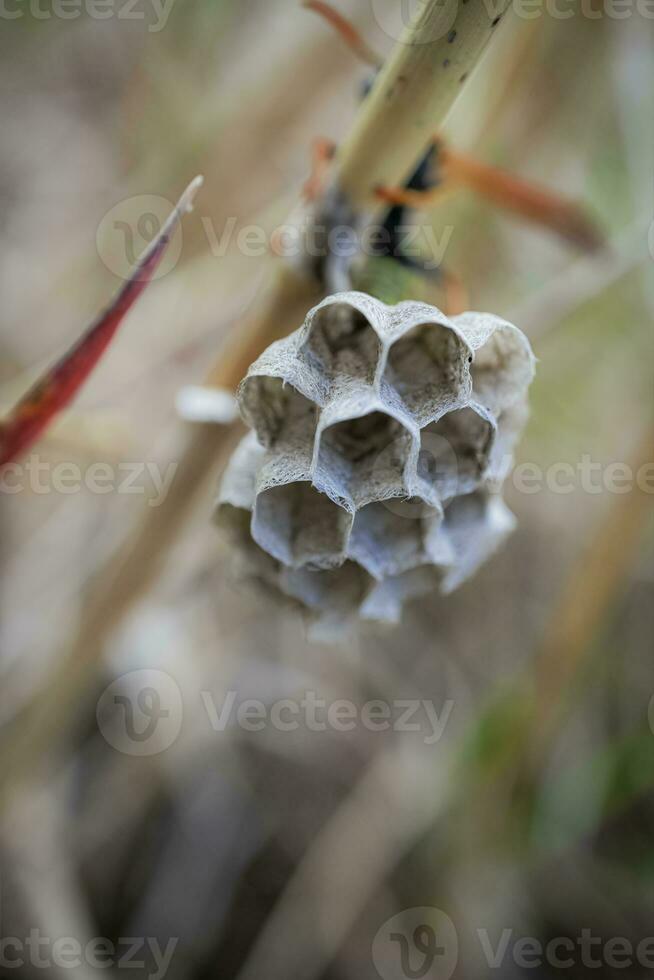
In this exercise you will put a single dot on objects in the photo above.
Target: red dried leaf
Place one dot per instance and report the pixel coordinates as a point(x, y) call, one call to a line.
point(58, 386)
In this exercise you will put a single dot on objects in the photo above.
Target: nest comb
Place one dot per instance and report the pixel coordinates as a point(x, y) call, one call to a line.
point(380, 439)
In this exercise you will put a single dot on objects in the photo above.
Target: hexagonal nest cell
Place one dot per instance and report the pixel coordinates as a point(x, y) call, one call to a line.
point(427, 368)
point(342, 342)
point(387, 540)
point(322, 590)
point(300, 526)
point(455, 451)
point(476, 525)
point(384, 603)
point(502, 368)
point(275, 409)
point(364, 455)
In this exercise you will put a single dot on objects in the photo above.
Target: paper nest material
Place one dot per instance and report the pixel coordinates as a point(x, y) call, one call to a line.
point(380, 438)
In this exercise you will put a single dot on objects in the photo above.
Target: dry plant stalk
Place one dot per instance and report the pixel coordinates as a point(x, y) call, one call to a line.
point(589, 595)
point(410, 99)
point(412, 96)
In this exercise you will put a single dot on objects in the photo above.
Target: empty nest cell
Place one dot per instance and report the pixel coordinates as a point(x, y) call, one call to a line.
point(342, 588)
point(455, 451)
point(476, 524)
point(427, 368)
point(502, 368)
point(300, 526)
point(342, 342)
point(387, 539)
point(384, 602)
point(364, 457)
point(276, 410)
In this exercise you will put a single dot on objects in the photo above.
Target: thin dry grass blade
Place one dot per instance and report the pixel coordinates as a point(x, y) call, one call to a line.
point(594, 583)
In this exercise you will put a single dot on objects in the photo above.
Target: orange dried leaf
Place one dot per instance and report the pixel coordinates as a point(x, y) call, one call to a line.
point(346, 31)
point(537, 204)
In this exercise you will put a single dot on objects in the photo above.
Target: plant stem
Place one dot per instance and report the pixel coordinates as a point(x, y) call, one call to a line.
point(412, 96)
point(128, 574)
point(395, 124)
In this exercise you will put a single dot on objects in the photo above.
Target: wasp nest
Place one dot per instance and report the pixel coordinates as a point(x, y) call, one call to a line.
point(381, 436)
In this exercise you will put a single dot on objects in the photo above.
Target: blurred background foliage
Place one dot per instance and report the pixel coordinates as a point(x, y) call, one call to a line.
point(281, 854)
